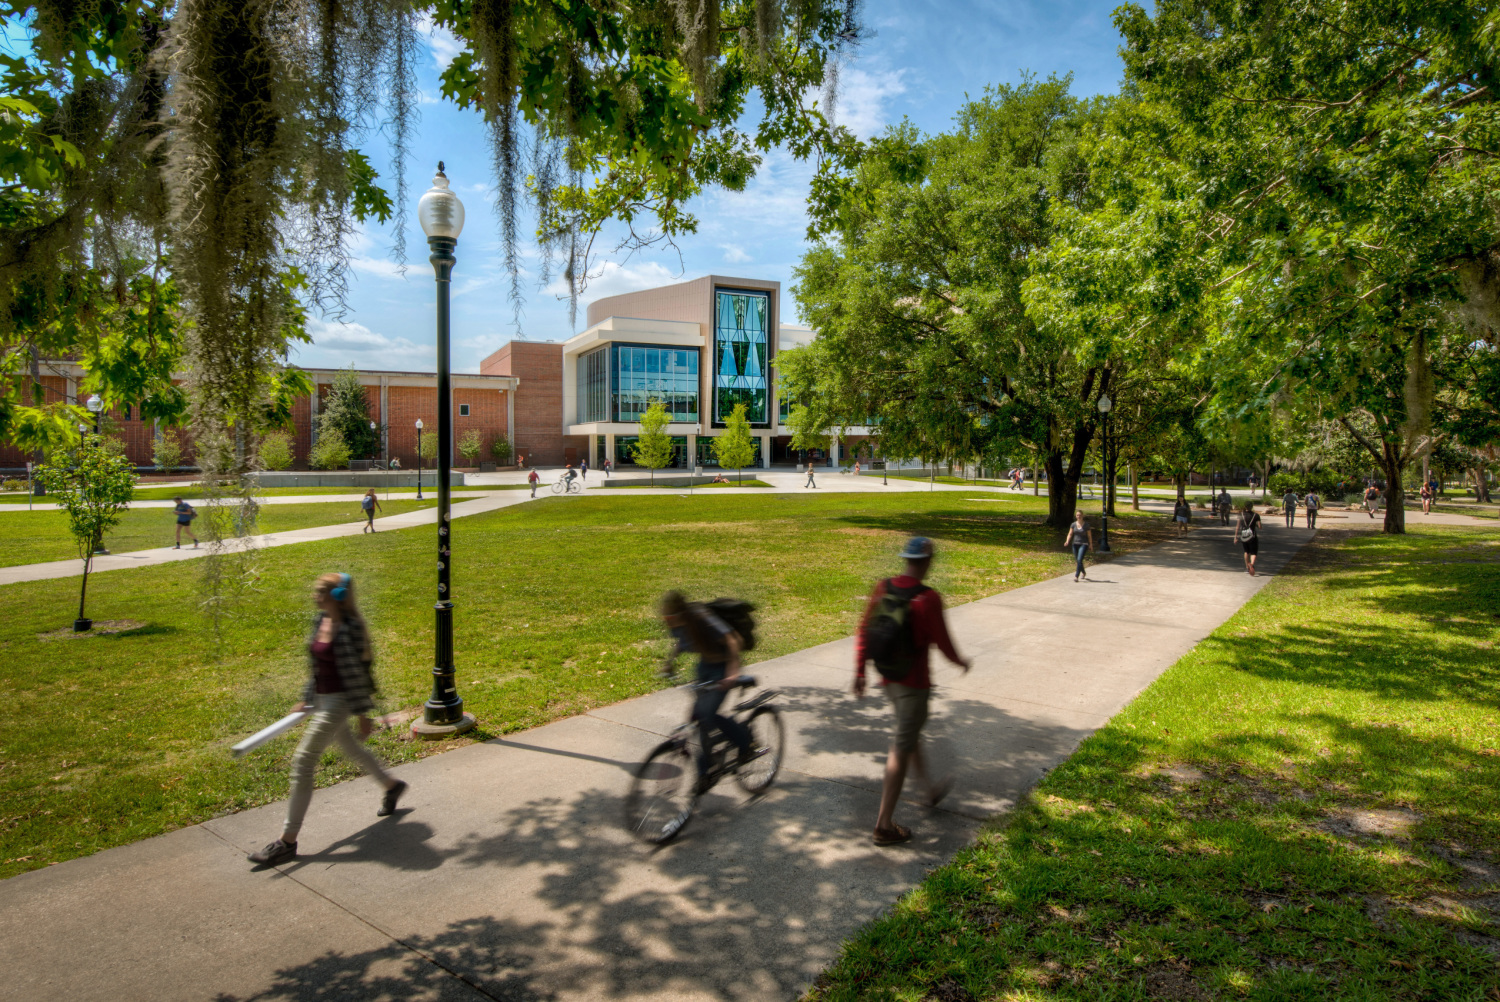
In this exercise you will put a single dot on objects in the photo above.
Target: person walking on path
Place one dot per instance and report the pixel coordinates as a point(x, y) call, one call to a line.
point(533, 480)
point(1311, 504)
point(696, 629)
point(369, 503)
point(1426, 499)
point(902, 619)
point(1247, 534)
point(1080, 540)
point(810, 481)
point(1225, 504)
point(340, 685)
point(185, 515)
point(608, 468)
point(1289, 507)
point(1372, 500)
point(1182, 514)
point(584, 468)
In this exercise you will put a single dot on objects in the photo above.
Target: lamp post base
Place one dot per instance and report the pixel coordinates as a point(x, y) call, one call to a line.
point(82, 625)
point(422, 729)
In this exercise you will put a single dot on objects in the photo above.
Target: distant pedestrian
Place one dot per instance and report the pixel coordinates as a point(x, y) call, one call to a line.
point(369, 503)
point(1015, 480)
point(810, 481)
point(1247, 534)
point(1289, 507)
point(1080, 540)
point(395, 463)
point(609, 467)
point(1254, 480)
point(533, 480)
point(1182, 514)
point(583, 468)
point(340, 685)
point(1372, 500)
point(185, 516)
point(902, 619)
point(1426, 493)
point(1225, 504)
point(856, 467)
point(1310, 505)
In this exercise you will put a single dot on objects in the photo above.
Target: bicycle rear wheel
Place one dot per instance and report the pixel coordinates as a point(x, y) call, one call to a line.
point(574, 487)
point(557, 488)
point(765, 732)
point(662, 793)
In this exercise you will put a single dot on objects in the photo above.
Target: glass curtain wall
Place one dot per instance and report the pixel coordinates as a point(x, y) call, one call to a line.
point(644, 375)
point(741, 348)
point(593, 386)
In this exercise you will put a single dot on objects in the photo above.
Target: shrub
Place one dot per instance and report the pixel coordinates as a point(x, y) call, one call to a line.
point(276, 450)
point(12, 485)
point(500, 449)
point(330, 452)
point(167, 453)
point(469, 444)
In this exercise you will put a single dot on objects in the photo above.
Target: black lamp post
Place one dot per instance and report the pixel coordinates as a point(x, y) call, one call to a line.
point(419, 459)
point(442, 217)
point(1105, 405)
point(95, 404)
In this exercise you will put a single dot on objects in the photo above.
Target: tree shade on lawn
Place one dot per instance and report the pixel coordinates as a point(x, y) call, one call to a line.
point(1302, 807)
point(111, 739)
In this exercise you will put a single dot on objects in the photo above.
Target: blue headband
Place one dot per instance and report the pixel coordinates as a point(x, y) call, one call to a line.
point(341, 590)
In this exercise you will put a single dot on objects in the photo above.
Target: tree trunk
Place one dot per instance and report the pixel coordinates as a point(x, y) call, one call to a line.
point(1481, 487)
point(83, 589)
point(1394, 465)
point(1265, 479)
point(1135, 488)
point(1036, 477)
point(1180, 483)
point(1062, 492)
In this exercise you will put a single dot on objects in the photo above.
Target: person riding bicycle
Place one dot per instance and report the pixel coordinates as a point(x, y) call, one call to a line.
point(571, 475)
point(696, 629)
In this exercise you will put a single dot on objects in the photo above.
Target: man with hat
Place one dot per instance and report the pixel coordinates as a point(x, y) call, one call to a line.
point(902, 620)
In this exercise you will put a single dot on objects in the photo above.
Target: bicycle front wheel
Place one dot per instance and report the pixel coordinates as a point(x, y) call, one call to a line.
point(662, 793)
point(769, 738)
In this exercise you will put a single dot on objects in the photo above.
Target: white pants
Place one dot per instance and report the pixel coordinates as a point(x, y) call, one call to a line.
point(329, 723)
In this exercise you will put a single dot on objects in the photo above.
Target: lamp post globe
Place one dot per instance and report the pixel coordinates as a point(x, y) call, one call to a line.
point(442, 217)
point(1105, 406)
point(95, 404)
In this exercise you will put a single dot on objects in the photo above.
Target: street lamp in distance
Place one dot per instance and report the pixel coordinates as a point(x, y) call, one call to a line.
point(442, 217)
point(95, 404)
point(1105, 406)
point(419, 459)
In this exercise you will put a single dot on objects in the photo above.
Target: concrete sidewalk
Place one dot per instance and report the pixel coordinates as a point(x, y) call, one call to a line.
point(506, 874)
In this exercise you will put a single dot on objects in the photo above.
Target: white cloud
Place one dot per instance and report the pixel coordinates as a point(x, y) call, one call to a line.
point(338, 344)
point(444, 45)
point(862, 98)
point(734, 254)
point(612, 278)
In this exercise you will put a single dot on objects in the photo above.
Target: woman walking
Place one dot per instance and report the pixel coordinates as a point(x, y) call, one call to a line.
point(1426, 499)
point(340, 686)
point(1080, 540)
point(1247, 533)
point(1182, 514)
point(185, 515)
point(369, 503)
point(810, 481)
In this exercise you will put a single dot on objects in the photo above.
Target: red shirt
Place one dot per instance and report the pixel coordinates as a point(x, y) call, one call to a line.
point(928, 626)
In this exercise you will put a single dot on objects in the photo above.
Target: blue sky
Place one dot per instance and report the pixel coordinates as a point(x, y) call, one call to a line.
point(925, 56)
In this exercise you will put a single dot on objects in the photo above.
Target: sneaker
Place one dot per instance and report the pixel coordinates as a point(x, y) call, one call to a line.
point(388, 802)
point(276, 853)
point(894, 835)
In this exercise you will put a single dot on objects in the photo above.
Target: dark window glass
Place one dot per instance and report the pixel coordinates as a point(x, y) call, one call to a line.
point(741, 346)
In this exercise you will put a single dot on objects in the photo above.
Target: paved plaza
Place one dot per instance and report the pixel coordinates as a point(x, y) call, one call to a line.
point(506, 873)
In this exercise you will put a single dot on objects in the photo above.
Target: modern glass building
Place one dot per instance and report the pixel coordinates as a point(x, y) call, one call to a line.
point(742, 354)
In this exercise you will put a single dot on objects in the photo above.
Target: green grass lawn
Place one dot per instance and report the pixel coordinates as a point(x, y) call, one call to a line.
point(108, 739)
point(29, 537)
point(149, 493)
point(752, 482)
point(1304, 807)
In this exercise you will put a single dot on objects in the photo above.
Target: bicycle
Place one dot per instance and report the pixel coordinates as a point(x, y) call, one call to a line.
point(1085, 492)
point(565, 485)
point(665, 789)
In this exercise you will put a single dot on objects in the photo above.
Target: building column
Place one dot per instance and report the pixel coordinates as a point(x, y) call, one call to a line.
point(510, 422)
point(692, 452)
point(833, 454)
point(312, 417)
point(609, 449)
point(385, 420)
point(765, 452)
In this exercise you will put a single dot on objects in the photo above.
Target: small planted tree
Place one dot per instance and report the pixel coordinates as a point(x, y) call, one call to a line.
point(500, 449)
point(654, 448)
point(469, 446)
point(428, 447)
point(330, 452)
point(93, 484)
point(735, 449)
point(276, 451)
point(167, 454)
point(346, 410)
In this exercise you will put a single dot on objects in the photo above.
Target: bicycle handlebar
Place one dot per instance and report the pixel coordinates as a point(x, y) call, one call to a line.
point(740, 682)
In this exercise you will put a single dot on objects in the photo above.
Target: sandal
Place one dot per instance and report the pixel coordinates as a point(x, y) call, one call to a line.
point(894, 835)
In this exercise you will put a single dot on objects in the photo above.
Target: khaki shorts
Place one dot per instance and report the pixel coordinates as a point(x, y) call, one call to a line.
point(911, 713)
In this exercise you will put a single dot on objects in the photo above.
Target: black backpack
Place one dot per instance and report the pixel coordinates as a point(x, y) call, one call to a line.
point(890, 640)
point(736, 614)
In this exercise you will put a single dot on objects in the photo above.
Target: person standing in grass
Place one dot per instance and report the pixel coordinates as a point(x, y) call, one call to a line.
point(1289, 507)
point(533, 480)
point(810, 481)
point(1182, 514)
point(902, 620)
point(185, 515)
point(1080, 540)
point(1247, 534)
point(1311, 504)
point(340, 685)
point(369, 503)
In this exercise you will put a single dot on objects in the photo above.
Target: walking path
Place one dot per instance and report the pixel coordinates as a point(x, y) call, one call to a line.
point(506, 874)
point(401, 495)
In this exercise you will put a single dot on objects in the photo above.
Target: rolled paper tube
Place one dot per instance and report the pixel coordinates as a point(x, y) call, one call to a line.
point(259, 738)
